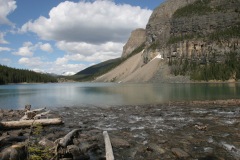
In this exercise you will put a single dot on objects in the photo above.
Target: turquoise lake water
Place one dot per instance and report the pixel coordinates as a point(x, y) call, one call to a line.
point(16, 96)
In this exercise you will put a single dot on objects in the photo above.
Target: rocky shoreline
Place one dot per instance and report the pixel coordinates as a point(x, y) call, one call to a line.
point(204, 130)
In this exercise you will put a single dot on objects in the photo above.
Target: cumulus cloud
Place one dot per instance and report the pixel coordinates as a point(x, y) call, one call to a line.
point(2, 40)
point(46, 47)
point(5, 49)
point(86, 49)
point(42, 65)
point(87, 31)
point(91, 22)
point(67, 68)
point(84, 52)
point(28, 48)
point(31, 62)
point(6, 7)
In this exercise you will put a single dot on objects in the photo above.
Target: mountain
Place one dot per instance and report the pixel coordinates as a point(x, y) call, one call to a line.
point(96, 70)
point(199, 38)
point(12, 75)
point(187, 40)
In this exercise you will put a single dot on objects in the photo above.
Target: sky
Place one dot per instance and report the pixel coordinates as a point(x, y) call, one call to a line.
point(65, 37)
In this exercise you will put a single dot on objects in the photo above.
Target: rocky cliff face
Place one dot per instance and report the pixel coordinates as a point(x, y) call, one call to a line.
point(197, 39)
point(159, 24)
point(137, 38)
point(193, 29)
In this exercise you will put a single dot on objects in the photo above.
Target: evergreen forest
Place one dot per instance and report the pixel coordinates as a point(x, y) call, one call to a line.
point(213, 70)
point(12, 75)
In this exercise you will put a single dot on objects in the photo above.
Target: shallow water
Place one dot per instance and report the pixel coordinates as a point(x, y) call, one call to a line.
point(107, 94)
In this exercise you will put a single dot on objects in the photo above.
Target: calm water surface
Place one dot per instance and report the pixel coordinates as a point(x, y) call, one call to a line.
point(107, 94)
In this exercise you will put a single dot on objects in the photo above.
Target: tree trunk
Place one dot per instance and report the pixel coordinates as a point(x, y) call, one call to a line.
point(108, 146)
point(67, 138)
point(28, 123)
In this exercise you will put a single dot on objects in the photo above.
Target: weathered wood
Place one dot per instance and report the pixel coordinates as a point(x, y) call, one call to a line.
point(68, 137)
point(28, 123)
point(41, 114)
point(108, 146)
point(39, 110)
point(34, 114)
point(25, 117)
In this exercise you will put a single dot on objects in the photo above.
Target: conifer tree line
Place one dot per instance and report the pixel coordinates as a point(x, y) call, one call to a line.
point(228, 69)
point(12, 75)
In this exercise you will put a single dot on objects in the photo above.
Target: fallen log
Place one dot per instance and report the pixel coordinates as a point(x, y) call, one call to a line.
point(32, 114)
point(28, 123)
point(67, 138)
point(108, 146)
point(38, 116)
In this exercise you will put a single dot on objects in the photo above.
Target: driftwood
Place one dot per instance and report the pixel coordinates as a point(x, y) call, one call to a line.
point(108, 146)
point(32, 114)
point(38, 116)
point(39, 110)
point(28, 123)
point(67, 138)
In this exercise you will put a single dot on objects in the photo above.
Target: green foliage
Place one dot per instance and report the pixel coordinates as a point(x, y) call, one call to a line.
point(224, 34)
point(176, 39)
point(200, 7)
point(12, 75)
point(35, 151)
point(154, 45)
point(232, 32)
point(229, 69)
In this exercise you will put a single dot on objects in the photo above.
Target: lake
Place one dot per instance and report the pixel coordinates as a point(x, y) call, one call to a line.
point(16, 96)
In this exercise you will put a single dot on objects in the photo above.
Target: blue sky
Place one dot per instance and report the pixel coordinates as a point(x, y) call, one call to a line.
point(58, 36)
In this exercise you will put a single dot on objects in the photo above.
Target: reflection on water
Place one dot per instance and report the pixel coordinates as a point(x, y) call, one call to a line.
point(104, 94)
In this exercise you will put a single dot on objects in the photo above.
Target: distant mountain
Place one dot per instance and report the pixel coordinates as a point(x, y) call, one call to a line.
point(99, 69)
point(12, 75)
point(196, 40)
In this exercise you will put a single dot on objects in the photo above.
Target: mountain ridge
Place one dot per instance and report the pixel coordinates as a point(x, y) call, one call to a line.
point(197, 40)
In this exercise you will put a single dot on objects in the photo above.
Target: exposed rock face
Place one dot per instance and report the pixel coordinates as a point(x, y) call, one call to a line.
point(137, 38)
point(179, 31)
point(159, 24)
point(191, 35)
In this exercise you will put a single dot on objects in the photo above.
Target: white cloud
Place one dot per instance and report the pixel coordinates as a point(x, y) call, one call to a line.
point(46, 47)
point(67, 68)
point(5, 49)
point(42, 65)
point(31, 62)
point(2, 40)
point(91, 22)
point(89, 52)
point(61, 61)
point(87, 31)
point(6, 7)
point(26, 50)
